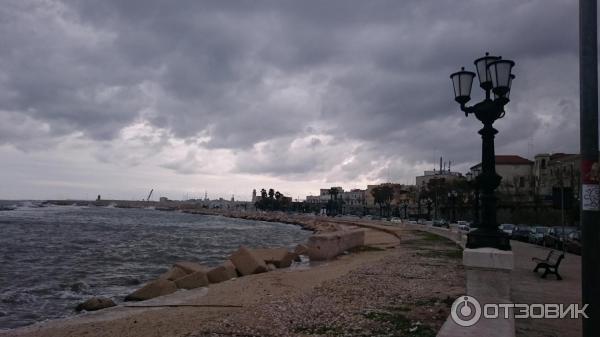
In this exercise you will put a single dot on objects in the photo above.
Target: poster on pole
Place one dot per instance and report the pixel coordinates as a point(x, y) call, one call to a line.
point(590, 187)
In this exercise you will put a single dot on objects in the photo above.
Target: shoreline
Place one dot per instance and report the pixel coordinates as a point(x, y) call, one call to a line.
point(219, 301)
point(55, 305)
point(204, 311)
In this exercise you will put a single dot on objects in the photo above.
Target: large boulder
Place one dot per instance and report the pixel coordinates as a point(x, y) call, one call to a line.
point(247, 263)
point(221, 273)
point(152, 289)
point(95, 303)
point(279, 257)
point(193, 280)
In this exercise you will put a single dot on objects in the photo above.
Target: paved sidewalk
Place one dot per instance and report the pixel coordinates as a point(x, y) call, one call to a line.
point(527, 287)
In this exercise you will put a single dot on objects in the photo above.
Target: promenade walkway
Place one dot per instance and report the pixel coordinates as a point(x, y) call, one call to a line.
point(527, 287)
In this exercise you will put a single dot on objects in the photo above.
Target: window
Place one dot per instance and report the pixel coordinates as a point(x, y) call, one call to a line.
point(543, 163)
point(521, 182)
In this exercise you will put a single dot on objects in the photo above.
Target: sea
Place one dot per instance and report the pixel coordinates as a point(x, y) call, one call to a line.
point(55, 257)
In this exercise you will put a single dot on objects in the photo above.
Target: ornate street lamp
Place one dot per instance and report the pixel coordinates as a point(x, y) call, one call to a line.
point(494, 77)
point(452, 198)
point(428, 202)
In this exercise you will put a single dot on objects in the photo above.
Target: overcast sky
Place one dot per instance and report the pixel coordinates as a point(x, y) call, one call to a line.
point(116, 97)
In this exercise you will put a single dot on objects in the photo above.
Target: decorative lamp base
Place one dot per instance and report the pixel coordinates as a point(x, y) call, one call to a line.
point(482, 238)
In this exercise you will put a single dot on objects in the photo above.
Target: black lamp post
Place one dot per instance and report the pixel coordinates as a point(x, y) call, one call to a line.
point(428, 202)
point(494, 77)
point(452, 198)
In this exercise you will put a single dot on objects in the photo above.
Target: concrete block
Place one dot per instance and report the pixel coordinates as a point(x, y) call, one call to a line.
point(488, 281)
point(173, 274)
point(193, 280)
point(190, 267)
point(247, 263)
point(489, 258)
point(488, 273)
point(152, 289)
point(488, 285)
point(221, 273)
point(301, 249)
point(329, 245)
point(230, 268)
point(280, 257)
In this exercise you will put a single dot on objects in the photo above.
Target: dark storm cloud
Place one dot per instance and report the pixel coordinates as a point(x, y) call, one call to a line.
point(261, 77)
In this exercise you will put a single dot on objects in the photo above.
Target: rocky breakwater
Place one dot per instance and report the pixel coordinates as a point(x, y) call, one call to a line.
point(190, 275)
point(306, 222)
point(330, 240)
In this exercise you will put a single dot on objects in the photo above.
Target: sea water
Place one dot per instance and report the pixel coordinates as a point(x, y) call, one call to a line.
point(54, 257)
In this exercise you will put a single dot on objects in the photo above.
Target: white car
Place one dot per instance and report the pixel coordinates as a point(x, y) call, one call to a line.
point(396, 220)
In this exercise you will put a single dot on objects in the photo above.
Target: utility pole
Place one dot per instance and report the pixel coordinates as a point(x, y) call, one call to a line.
point(590, 188)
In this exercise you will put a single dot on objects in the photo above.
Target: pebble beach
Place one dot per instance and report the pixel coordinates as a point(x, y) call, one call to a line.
point(401, 282)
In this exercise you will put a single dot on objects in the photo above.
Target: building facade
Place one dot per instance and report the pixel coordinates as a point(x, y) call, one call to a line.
point(518, 182)
point(552, 171)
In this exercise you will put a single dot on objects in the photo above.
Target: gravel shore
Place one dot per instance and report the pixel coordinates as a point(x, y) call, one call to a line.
point(406, 293)
point(399, 285)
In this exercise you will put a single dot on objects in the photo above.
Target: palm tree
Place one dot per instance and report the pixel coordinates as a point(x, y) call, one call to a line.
point(383, 196)
point(333, 193)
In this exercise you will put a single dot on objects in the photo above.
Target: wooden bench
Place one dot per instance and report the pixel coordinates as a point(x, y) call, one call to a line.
point(549, 264)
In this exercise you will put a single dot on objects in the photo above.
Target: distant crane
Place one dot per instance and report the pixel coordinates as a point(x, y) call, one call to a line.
point(149, 195)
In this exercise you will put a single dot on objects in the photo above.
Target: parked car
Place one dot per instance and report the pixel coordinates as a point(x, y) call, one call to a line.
point(463, 226)
point(441, 223)
point(573, 242)
point(537, 234)
point(412, 222)
point(395, 220)
point(554, 237)
point(521, 233)
point(507, 228)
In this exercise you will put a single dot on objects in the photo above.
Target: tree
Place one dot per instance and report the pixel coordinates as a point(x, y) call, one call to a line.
point(332, 204)
point(383, 195)
point(333, 193)
point(272, 200)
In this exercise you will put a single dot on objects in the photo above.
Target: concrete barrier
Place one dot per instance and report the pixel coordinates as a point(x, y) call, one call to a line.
point(329, 245)
point(455, 235)
point(488, 281)
point(246, 262)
